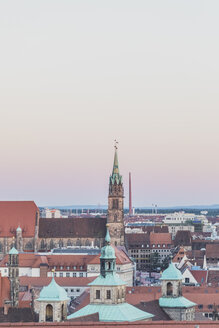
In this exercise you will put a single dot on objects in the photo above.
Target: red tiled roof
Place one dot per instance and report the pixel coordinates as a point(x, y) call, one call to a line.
point(4, 289)
point(137, 239)
point(90, 227)
point(160, 238)
point(200, 276)
point(13, 214)
point(62, 281)
point(121, 257)
point(212, 251)
point(26, 260)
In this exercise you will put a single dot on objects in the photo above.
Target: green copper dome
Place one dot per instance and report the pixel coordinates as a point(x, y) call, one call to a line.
point(19, 229)
point(53, 292)
point(171, 273)
point(13, 251)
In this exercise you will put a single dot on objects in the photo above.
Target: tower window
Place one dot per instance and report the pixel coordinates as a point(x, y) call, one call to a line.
point(115, 204)
point(97, 294)
point(108, 294)
point(169, 289)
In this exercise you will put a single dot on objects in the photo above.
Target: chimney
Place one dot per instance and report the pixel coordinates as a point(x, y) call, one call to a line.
point(43, 270)
point(130, 194)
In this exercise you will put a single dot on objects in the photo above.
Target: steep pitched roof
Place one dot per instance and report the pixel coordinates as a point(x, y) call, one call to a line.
point(62, 281)
point(200, 276)
point(212, 251)
point(160, 238)
point(136, 240)
point(88, 227)
point(183, 238)
point(17, 213)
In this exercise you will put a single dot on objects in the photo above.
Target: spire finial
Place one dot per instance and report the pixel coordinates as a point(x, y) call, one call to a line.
point(116, 144)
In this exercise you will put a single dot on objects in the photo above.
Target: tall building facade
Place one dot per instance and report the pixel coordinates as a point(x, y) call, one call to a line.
point(115, 218)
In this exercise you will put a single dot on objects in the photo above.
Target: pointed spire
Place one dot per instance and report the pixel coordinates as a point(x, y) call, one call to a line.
point(107, 238)
point(116, 177)
point(116, 162)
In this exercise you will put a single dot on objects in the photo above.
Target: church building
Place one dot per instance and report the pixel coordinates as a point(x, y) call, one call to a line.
point(88, 231)
point(108, 293)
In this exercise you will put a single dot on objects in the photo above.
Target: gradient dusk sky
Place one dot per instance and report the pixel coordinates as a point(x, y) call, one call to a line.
point(75, 75)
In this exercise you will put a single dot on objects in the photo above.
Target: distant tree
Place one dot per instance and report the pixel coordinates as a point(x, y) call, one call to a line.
point(154, 261)
point(165, 263)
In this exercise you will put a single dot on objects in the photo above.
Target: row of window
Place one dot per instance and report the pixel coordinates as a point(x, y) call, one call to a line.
point(74, 267)
point(70, 274)
point(72, 290)
point(153, 245)
point(210, 306)
point(108, 294)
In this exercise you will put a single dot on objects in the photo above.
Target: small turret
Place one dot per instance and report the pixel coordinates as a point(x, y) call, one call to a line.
point(19, 239)
point(13, 276)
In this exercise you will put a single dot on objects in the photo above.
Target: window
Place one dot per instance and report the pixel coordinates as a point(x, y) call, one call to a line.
point(78, 290)
point(81, 267)
point(67, 274)
point(169, 289)
point(115, 204)
point(81, 274)
point(72, 290)
point(74, 267)
point(153, 245)
point(187, 280)
point(210, 306)
point(61, 274)
point(200, 306)
point(164, 245)
point(61, 267)
point(74, 274)
point(97, 294)
point(66, 289)
point(67, 267)
point(108, 294)
point(158, 245)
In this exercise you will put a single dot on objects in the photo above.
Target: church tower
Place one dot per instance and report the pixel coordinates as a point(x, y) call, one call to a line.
point(173, 303)
point(14, 276)
point(115, 204)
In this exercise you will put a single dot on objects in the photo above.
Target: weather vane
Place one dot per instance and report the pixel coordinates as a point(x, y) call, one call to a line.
point(116, 144)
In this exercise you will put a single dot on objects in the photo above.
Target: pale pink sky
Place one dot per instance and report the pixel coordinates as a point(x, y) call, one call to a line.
point(75, 75)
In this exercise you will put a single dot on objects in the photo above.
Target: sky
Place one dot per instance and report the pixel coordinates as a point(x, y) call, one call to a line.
point(75, 75)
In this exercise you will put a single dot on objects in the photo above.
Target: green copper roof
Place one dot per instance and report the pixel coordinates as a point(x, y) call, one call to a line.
point(19, 229)
point(175, 302)
point(107, 252)
point(115, 163)
point(113, 312)
point(115, 177)
point(171, 273)
point(13, 251)
point(107, 238)
point(111, 279)
point(53, 292)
